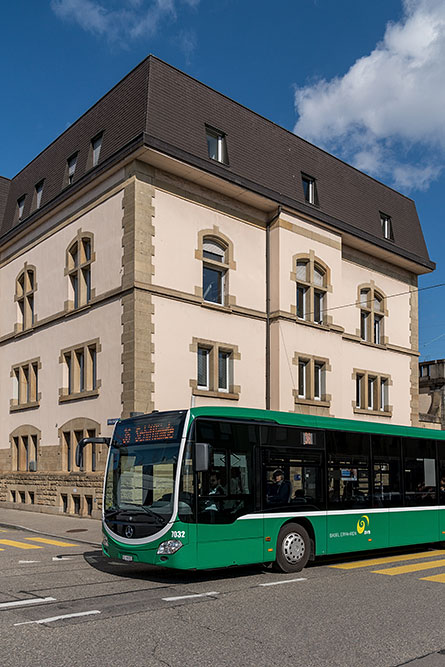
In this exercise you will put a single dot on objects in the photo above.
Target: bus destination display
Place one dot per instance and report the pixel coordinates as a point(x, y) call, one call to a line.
point(161, 429)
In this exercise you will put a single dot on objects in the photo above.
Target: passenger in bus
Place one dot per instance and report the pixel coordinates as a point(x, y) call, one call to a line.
point(278, 492)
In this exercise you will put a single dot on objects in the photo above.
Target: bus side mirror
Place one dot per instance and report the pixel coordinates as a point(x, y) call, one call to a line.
point(202, 456)
point(86, 441)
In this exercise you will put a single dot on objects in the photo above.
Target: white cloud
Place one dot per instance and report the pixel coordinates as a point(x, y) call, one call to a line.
point(131, 20)
point(386, 114)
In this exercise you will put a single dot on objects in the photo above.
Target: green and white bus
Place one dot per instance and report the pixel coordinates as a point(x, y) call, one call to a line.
point(214, 487)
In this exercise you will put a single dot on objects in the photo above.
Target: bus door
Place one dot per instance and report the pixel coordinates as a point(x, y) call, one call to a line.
point(293, 487)
point(441, 446)
point(229, 529)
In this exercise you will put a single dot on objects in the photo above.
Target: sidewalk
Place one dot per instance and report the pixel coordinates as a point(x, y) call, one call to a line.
point(74, 528)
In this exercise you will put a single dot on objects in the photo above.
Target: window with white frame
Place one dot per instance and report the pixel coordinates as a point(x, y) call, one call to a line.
point(214, 366)
point(79, 258)
point(80, 371)
point(38, 192)
point(71, 165)
point(25, 385)
point(214, 270)
point(21, 206)
point(372, 312)
point(372, 392)
point(96, 145)
point(309, 189)
point(387, 230)
point(311, 291)
point(216, 145)
point(25, 287)
point(311, 378)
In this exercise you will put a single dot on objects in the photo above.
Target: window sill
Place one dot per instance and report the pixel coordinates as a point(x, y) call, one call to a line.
point(311, 401)
point(209, 393)
point(373, 413)
point(311, 323)
point(216, 306)
point(32, 405)
point(368, 343)
point(65, 398)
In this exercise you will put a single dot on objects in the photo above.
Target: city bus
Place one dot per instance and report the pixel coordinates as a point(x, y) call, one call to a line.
point(211, 487)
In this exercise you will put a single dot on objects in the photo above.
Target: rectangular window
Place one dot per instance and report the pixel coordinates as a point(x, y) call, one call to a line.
point(359, 391)
point(372, 392)
point(309, 189)
point(25, 389)
point(318, 306)
point(38, 194)
point(80, 371)
point(71, 168)
point(212, 284)
point(216, 145)
point(377, 329)
point(302, 379)
point(203, 367)
point(364, 317)
point(21, 206)
point(318, 380)
point(387, 230)
point(223, 370)
point(302, 297)
point(96, 145)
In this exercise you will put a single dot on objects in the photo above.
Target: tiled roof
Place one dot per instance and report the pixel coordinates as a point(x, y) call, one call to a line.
point(161, 107)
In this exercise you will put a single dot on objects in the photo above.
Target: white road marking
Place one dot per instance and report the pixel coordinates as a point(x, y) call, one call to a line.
point(61, 557)
point(285, 581)
point(19, 603)
point(28, 561)
point(187, 597)
point(51, 619)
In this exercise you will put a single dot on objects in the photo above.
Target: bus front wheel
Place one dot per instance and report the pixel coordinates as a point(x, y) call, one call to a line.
point(293, 548)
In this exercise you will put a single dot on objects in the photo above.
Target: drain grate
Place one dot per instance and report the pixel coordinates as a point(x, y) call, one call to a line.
point(77, 530)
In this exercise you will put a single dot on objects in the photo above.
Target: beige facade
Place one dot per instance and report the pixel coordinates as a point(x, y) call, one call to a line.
point(157, 283)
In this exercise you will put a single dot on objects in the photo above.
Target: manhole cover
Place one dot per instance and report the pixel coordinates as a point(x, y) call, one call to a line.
point(77, 530)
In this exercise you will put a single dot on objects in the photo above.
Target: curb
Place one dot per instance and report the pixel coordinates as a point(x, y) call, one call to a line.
point(41, 532)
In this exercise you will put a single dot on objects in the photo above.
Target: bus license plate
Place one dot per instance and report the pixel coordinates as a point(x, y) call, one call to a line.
point(127, 557)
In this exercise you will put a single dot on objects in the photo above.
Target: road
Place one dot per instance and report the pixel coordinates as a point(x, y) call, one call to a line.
point(62, 603)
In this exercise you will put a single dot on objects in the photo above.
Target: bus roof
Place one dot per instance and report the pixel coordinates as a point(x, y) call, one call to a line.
point(311, 421)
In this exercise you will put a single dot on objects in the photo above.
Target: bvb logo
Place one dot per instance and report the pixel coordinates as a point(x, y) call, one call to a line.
point(362, 523)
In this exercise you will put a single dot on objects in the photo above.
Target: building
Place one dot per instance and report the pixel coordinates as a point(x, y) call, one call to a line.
point(432, 393)
point(171, 248)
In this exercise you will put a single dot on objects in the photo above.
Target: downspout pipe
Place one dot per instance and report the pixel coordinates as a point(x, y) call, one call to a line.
point(268, 271)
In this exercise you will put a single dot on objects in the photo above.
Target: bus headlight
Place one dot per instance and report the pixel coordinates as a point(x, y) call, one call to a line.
point(169, 547)
point(105, 541)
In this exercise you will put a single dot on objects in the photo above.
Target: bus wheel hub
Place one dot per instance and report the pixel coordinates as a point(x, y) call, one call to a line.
point(293, 547)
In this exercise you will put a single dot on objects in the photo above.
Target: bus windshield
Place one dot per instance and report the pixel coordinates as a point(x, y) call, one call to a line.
point(142, 469)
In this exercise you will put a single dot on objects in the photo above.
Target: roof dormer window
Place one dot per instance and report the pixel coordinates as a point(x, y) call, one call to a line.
point(217, 145)
point(309, 189)
point(387, 230)
point(96, 145)
point(71, 164)
point(38, 194)
point(21, 206)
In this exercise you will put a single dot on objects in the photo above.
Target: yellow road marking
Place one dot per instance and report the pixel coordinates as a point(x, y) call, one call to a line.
point(19, 545)
point(56, 542)
point(388, 559)
point(414, 567)
point(436, 577)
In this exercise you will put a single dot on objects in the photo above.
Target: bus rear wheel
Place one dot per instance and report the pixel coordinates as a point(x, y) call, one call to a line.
point(293, 548)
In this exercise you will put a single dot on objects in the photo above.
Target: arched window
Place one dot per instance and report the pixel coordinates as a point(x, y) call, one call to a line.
point(70, 434)
point(372, 312)
point(25, 287)
point(79, 258)
point(311, 290)
point(214, 270)
point(25, 441)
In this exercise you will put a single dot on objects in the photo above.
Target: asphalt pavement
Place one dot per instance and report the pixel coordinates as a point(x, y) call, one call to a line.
point(53, 525)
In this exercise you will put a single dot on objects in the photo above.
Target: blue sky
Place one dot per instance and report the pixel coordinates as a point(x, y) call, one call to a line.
point(364, 79)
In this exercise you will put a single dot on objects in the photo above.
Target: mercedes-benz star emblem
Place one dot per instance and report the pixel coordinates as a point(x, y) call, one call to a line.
point(129, 531)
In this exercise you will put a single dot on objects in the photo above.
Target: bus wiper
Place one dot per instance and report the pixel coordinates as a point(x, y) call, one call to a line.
point(158, 518)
